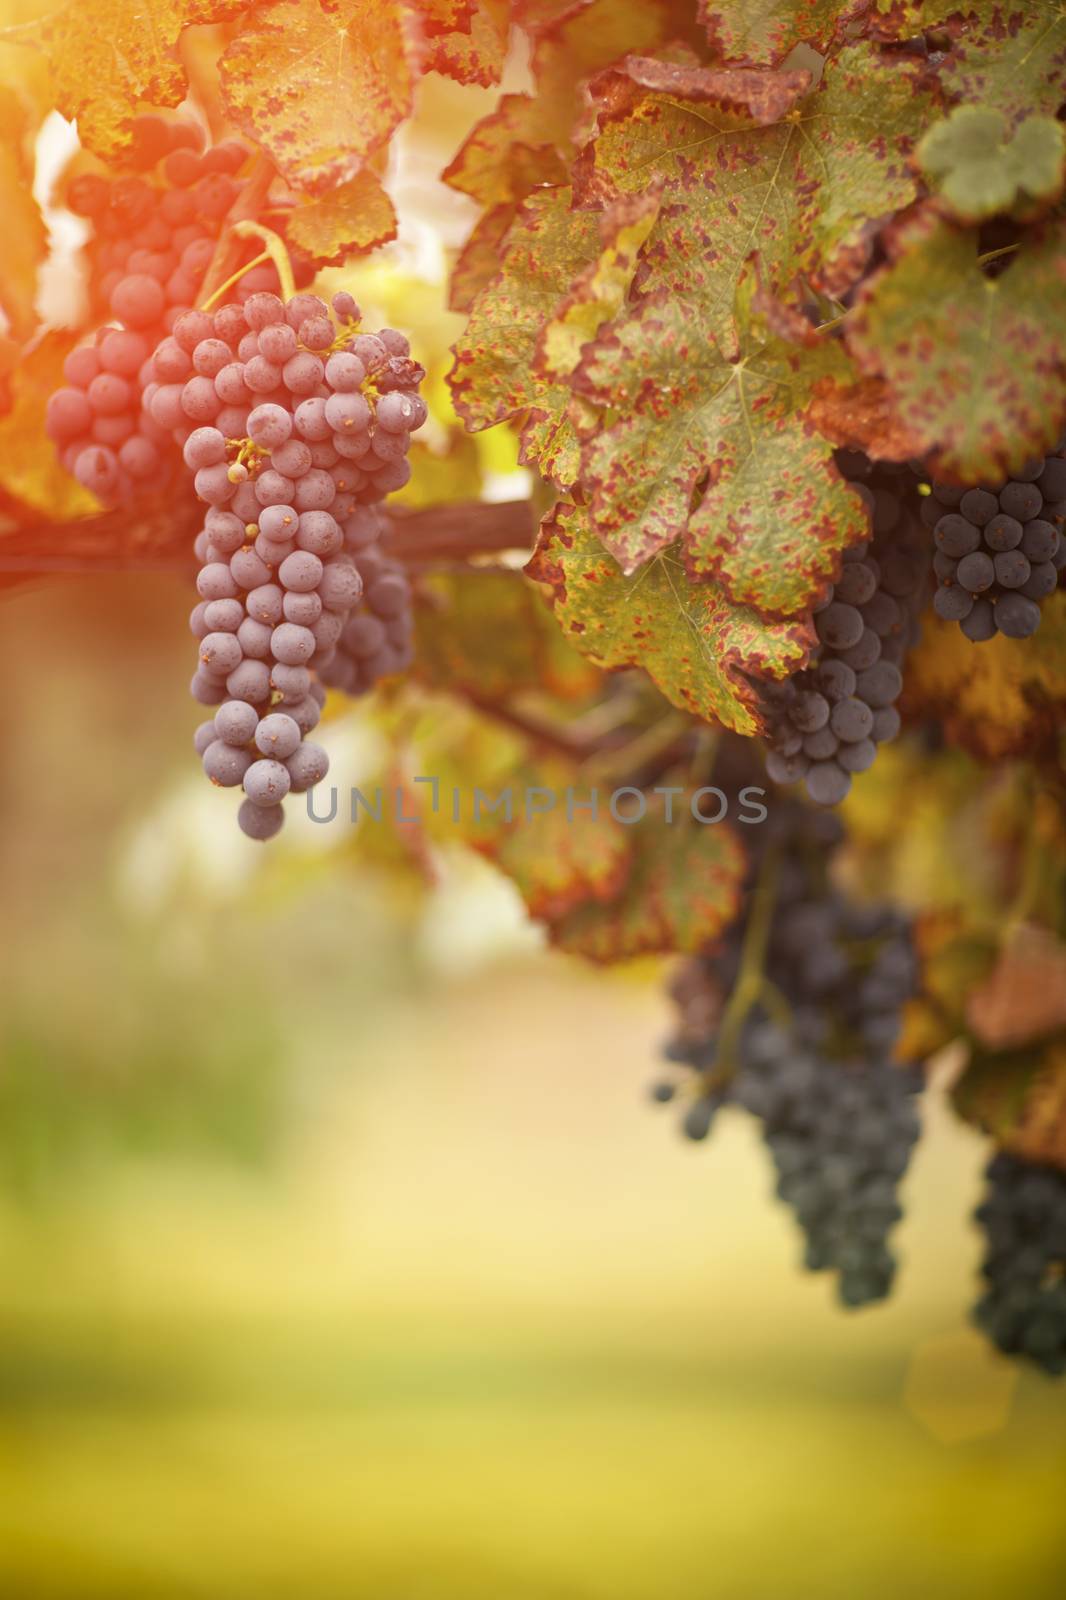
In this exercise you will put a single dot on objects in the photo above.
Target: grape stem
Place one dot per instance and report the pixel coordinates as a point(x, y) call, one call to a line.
point(275, 249)
point(234, 277)
point(249, 203)
point(752, 985)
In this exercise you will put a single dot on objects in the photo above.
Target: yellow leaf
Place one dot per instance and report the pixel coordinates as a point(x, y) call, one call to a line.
point(25, 239)
point(320, 86)
point(350, 220)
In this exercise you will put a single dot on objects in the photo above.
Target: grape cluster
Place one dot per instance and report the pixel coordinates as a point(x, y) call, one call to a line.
point(1023, 1218)
point(999, 551)
point(301, 428)
point(813, 1063)
point(155, 233)
point(825, 722)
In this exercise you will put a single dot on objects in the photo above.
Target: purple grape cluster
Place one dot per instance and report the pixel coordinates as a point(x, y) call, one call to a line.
point(999, 551)
point(301, 428)
point(154, 236)
point(824, 723)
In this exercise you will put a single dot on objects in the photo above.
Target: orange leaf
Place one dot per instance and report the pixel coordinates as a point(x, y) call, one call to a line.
point(320, 85)
point(25, 240)
point(348, 221)
point(1024, 997)
point(106, 56)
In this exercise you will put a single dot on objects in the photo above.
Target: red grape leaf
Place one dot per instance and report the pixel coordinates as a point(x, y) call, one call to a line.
point(1024, 996)
point(475, 54)
point(320, 85)
point(348, 221)
point(506, 154)
point(26, 242)
point(806, 193)
point(683, 888)
point(697, 646)
point(762, 32)
point(975, 364)
point(773, 513)
point(107, 56)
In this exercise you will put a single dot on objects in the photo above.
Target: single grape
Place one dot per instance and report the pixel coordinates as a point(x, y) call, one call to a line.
point(250, 681)
point(307, 608)
point(976, 572)
point(839, 626)
point(955, 536)
point(249, 569)
point(307, 766)
point(827, 784)
point(1017, 616)
point(1021, 500)
point(269, 426)
point(273, 489)
point(292, 645)
point(1042, 581)
point(278, 735)
point(341, 586)
point(1040, 540)
point(318, 532)
point(851, 719)
point(303, 373)
point(1012, 569)
point(225, 765)
point(260, 822)
point(204, 735)
point(267, 782)
point(301, 572)
point(879, 685)
point(235, 722)
point(220, 653)
point(978, 506)
point(980, 624)
point(264, 603)
point(292, 683)
point(345, 373)
point(254, 638)
point(858, 756)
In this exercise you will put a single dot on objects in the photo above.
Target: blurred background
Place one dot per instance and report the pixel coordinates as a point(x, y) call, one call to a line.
point(341, 1252)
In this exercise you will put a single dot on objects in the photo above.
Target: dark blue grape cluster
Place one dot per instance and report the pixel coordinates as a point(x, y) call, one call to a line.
point(999, 550)
point(813, 1063)
point(825, 722)
point(1023, 1219)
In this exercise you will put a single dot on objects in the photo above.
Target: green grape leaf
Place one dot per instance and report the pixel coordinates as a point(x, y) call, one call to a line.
point(506, 155)
point(805, 193)
point(494, 376)
point(718, 448)
point(762, 32)
point(107, 56)
point(982, 167)
point(350, 220)
point(683, 888)
point(975, 364)
point(488, 633)
point(320, 86)
point(474, 54)
point(698, 647)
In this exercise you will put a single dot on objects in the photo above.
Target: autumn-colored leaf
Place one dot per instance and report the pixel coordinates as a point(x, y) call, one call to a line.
point(493, 376)
point(860, 415)
point(475, 54)
point(719, 449)
point(348, 221)
point(697, 646)
point(478, 261)
point(26, 241)
point(29, 469)
point(1024, 997)
point(682, 889)
point(805, 193)
point(1005, 54)
point(560, 851)
point(1004, 698)
point(981, 166)
point(764, 31)
point(599, 291)
point(445, 16)
point(1019, 1097)
point(489, 631)
point(506, 154)
point(581, 41)
point(106, 56)
point(321, 84)
point(976, 364)
point(763, 96)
